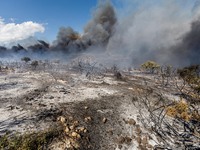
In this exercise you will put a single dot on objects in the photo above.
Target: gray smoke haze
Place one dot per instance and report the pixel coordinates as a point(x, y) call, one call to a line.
point(146, 33)
point(167, 32)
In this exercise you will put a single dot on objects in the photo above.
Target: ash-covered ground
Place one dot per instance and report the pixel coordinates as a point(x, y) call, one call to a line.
point(101, 107)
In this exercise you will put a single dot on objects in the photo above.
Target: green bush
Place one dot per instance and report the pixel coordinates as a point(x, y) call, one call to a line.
point(150, 66)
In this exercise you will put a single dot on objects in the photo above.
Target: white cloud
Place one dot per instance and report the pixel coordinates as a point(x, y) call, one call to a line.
point(11, 32)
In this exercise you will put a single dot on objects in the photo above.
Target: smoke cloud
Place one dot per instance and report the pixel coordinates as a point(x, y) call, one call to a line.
point(156, 33)
point(97, 32)
point(101, 27)
point(188, 50)
point(67, 40)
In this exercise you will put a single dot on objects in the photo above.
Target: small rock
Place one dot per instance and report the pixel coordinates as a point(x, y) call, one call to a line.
point(132, 122)
point(133, 137)
point(104, 120)
point(110, 132)
point(66, 130)
point(17, 107)
point(138, 130)
point(78, 136)
point(71, 118)
point(121, 140)
point(67, 92)
point(86, 107)
point(145, 141)
point(81, 129)
point(11, 107)
point(74, 134)
point(139, 140)
point(42, 105)
point(128, 140)
point(149, 146)
point(68, 144)
point(76, 123)
point(87, 138)
point(51, 97)
point(72, 127)
point(76, 145)
point(87, 119)
point(62, 91)
point(120, 146)
point(61, 119)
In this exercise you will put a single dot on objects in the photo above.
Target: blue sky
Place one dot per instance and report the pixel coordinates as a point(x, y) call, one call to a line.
point(52, 13)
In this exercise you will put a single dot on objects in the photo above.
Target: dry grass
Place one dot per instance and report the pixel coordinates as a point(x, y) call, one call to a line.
point(182, 110)
point(30, 141)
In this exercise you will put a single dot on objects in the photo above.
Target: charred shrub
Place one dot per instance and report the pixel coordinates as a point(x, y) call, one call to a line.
point(118, 75)
point(25, 59)
point(34, 64)
point(116, 72)
point(191, 75)
point(189, 72)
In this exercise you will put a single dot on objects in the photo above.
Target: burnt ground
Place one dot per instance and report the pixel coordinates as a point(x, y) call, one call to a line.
point(102, 135)
point(33, 101)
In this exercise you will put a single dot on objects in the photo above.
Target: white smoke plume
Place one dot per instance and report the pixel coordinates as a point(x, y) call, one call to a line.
point(152, 32)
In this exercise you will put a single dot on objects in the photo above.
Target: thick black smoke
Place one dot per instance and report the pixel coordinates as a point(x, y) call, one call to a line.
point(97, 32)
point(187, 52)
point(101, 27)
point(67, 40)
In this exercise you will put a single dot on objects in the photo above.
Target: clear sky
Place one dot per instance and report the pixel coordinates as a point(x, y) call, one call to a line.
point(51, 13)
